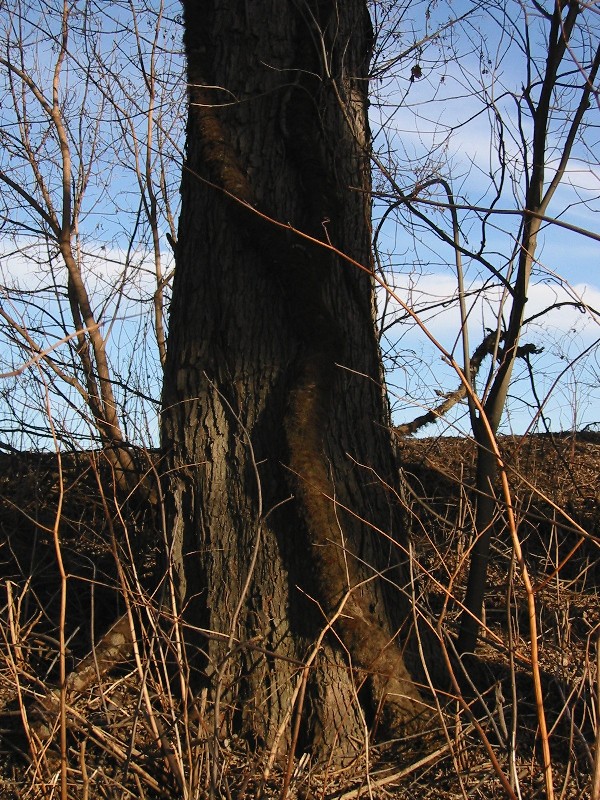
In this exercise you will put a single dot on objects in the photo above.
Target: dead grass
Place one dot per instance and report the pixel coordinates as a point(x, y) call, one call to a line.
point(133, 733)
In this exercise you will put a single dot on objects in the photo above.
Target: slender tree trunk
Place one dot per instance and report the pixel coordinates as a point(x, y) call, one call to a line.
point(276, 428)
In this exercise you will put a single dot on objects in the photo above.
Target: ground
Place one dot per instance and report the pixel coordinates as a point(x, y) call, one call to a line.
point(130, 734)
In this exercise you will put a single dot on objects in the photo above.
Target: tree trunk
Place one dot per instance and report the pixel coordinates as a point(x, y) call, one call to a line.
point(275, 425)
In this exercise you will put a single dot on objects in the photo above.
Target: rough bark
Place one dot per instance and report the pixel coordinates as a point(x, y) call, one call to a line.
point(275, 420)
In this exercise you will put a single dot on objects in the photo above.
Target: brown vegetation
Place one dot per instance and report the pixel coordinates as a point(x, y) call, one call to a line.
point(129, 733)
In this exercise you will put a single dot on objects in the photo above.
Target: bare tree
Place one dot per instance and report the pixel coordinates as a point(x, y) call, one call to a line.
point(276, 431)
point(537, 101)
point(84, 113)
point(538, 122)
point(289, 572)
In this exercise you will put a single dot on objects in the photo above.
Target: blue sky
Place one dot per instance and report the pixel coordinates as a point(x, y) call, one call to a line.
point(435, 125)
point(441, 125)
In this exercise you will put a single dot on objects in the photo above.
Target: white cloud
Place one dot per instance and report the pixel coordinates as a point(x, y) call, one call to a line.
point(440, 289)
point(566, 383)
point(31, 265)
